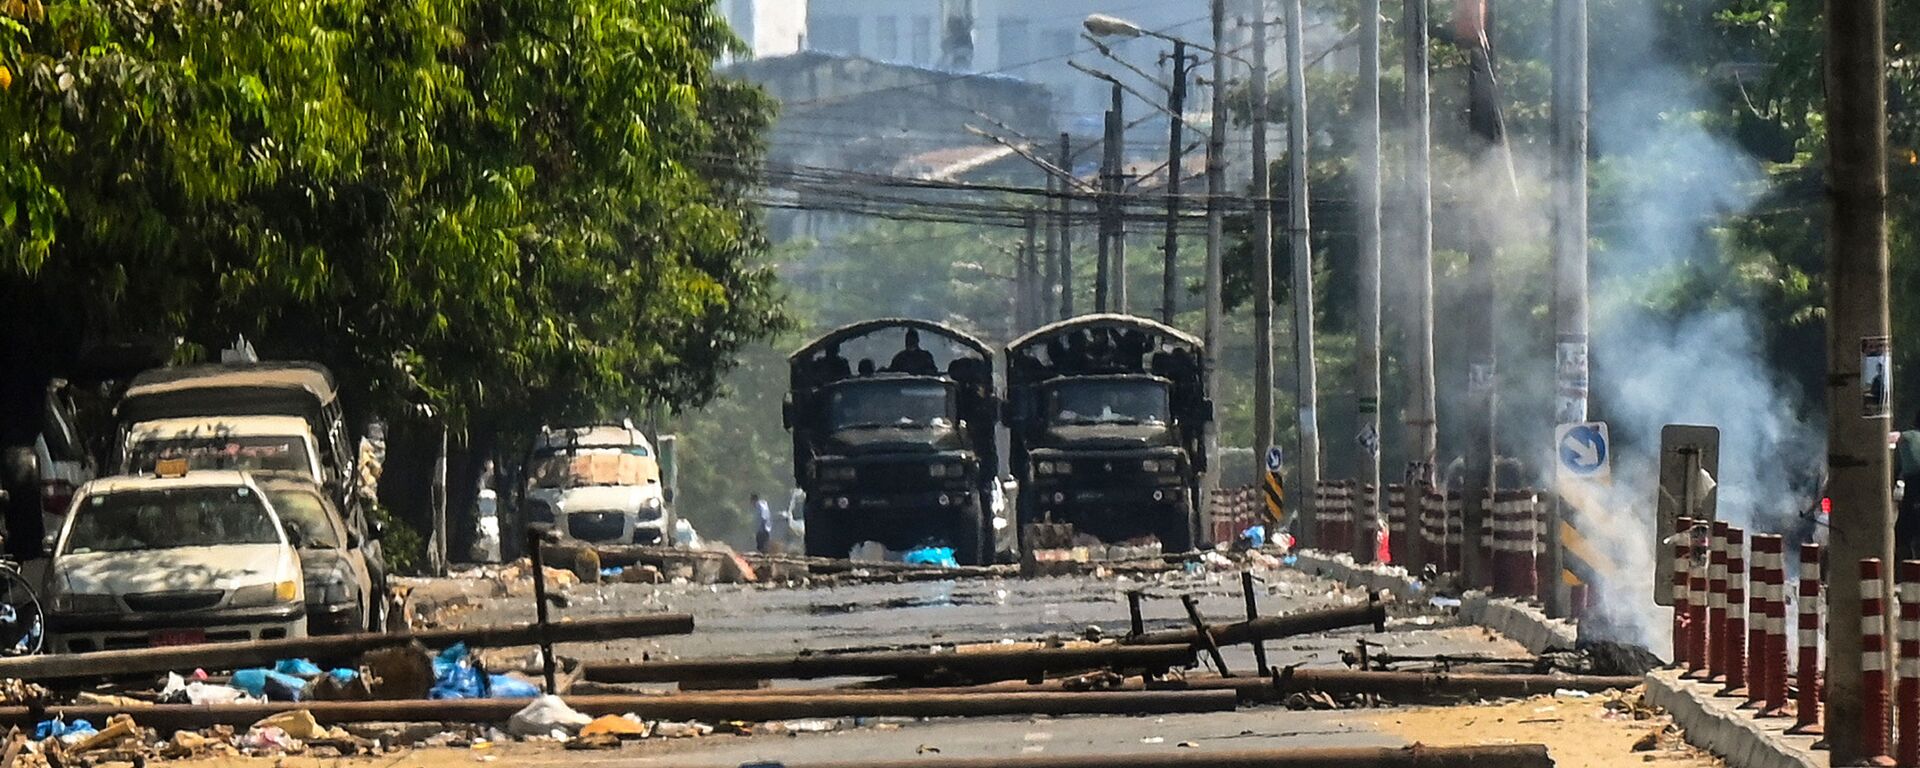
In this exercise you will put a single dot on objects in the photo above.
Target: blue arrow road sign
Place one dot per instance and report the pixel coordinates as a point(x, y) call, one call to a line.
point(1583, 448)
point(1274, 458)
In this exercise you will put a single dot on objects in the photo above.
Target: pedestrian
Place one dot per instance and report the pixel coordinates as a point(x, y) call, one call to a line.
point(1906, 527)
point(762, 536)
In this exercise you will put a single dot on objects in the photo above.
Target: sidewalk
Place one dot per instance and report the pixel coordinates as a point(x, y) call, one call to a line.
point(1711, 722)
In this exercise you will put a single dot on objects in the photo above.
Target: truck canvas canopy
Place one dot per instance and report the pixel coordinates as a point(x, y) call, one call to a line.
point(286, 388)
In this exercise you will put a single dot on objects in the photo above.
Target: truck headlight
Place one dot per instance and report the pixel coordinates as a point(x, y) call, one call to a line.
point(943, 469)
point(266, 594)
point(845, 474)
point(81, 602)
point(1055, 468)
point(1160, 466)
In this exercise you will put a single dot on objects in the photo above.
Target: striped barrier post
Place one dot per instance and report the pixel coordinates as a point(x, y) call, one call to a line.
point(1433, 530)
point(1366, 522)
point(1771, 549)
point(1717, 601)
point(1758, 575)
point(1450, 551)
point(1873, 660)
point(1526, 559)
point(1483, 539)
point(1545, 574)
point(1907, 667)
point(1397, 546)
point(1682, 560)
point(1807, 719)
point(1734, 652)
point(1696, 604)
point(1499, 559)
point(1342, 502)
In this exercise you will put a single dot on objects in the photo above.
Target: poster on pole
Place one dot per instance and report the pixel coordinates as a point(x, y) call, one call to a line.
point(1570, 380)
point(1876, 382)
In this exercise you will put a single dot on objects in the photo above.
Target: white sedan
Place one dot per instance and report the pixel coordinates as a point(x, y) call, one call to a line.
point(171, 559)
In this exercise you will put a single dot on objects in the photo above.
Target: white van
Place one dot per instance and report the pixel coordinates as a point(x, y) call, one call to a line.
point(597, 483)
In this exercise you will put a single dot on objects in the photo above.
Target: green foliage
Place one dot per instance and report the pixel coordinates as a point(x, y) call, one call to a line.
point(403, 548)
point(524, 207)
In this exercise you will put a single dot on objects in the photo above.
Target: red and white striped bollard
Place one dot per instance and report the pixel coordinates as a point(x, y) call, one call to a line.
point(1873, 659)
point(1717, 602)
point(1774, 644)
point(1734, 651)
point(1907, 667)
point(1807, 719)
point(1682, 560)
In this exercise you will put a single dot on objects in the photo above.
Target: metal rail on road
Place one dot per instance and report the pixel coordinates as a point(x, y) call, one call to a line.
point(1274, 627)
point(1500, 756)
point(222, 656)
point(710, 707)
point(979, 666)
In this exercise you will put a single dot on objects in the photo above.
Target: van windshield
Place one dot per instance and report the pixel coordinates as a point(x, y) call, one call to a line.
point(259, 453)
point(128, 521)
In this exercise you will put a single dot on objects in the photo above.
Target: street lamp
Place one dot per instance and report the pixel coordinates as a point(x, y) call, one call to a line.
point(1102, 25)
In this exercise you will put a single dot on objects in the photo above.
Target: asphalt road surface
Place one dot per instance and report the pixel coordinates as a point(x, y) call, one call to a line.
point(759, 619)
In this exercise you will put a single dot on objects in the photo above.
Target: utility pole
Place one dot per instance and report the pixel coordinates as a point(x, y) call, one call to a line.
point(1262, 248)
point(1216, 188)
point(1049, 268)
point(1570, 315)
point(1117, 252)
point(1368, 358)
point(1858, 355)
point(1066, 231)
point(1300, 246)
point(1030, 274)
point(1176, 110)
point(1484, 120)
point(1422, 427)
point(1103, 272)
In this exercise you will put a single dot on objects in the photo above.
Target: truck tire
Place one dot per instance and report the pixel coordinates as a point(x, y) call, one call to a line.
point(971, 544)
point(1176, 530)
point(824, 538)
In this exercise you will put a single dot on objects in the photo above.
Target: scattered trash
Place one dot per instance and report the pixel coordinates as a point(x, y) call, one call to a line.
point(510, 687)
point(298, 724)
point(1188, 745)
point(689, 729)
point(870, 551)
point(1153, 740)
point(267, 684)
point(119, 728)
point(810, 726)
point(936, 556)
point(271, 740)
point(455, 676)
point(615, 725)
point(1573, 694)
point(544, 715)
point(207, 693)
point(297, 668)
point(1439, 601)
point(58, 728)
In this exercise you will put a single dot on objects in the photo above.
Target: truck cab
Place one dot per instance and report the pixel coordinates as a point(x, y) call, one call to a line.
point(902, 454)
point(1107, 415)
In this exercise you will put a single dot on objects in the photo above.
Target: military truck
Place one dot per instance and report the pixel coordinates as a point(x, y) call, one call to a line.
point(900, 448)
point(1107, 415)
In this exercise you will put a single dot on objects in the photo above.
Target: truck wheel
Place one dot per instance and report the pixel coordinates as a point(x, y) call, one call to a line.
point(971, 545)
point(821, 541)
point(1176, 530)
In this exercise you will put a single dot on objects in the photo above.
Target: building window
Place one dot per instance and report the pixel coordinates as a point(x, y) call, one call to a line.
point(923, 40)
point(1015, 47)
point(886, 32)
point(836, 34)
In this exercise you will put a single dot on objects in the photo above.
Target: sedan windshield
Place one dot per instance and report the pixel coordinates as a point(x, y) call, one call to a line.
point(1131, 401)
point(127, 521)
point(260, 453)
point(890, 404)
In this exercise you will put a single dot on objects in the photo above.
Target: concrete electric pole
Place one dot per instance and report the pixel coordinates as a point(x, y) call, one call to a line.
point(1367, 361)
point(1485, 123)
point(1066, 232)
point(1300, 246)
point(1262, 300)
point(1422, 427)
point(1176, 111)
point(1858, 355)
point(1216, 226)
point(1570, 314)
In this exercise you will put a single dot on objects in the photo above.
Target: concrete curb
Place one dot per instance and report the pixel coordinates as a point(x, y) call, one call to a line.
point(1523, 623)
point(1714, 724)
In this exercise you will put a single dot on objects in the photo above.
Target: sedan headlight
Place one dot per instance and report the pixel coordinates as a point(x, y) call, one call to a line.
point(80, 602)
point(329, 588)
point(845, 474)
point(266, 594)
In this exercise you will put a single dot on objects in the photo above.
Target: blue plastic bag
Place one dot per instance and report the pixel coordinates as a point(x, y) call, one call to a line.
point(268, 684)
point(344, 675)
point(937, 556)
point(297, 668)
point(57, 727)
point(1256, 536)
point(455, 677)
point(505, 687)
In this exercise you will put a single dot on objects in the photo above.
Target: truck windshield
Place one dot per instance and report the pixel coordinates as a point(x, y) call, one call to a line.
point(259, 453)
point(1132, 401)
point(128, 521)
point(869, 405)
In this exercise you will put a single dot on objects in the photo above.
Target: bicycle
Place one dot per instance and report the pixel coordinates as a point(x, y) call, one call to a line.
point(23, 623)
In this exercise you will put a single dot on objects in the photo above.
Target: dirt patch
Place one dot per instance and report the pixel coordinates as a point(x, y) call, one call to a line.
point(1598, 731)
